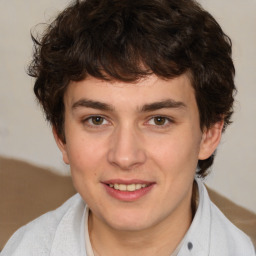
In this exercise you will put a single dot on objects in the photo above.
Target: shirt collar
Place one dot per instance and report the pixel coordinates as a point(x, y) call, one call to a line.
point(197, 239)
point(70, 231)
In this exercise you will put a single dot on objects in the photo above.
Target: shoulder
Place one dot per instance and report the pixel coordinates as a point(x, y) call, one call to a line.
point(226, 236)
point(211, 233)
point(36, 237)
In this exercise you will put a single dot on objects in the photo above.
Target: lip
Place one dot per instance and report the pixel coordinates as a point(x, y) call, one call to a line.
point(128, 196)
point(127, 182)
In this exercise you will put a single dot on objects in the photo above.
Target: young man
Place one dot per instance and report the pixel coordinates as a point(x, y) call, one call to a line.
point(138, 94)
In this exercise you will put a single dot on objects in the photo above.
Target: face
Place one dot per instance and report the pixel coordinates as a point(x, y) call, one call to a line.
point(133, 149)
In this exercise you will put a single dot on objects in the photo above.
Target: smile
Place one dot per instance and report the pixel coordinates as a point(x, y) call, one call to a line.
point(128, 191)
point(130, 187)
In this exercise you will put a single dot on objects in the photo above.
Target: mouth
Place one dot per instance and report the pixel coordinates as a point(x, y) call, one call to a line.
point(128, 190)
point(129, 187)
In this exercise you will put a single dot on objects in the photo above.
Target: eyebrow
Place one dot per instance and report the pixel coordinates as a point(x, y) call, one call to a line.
point(169, 103)
point(92, 104)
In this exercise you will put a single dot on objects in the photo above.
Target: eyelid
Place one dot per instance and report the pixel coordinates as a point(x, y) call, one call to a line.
point(167, 118)
point(106, 122)
point(86, 122)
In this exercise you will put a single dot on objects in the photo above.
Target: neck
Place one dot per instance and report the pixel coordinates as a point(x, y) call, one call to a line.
point(121, 243)
point(161, 239)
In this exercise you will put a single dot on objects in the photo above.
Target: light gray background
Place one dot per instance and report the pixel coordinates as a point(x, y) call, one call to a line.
point(25, 135)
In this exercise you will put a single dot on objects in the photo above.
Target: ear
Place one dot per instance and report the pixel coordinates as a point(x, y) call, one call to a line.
point(61, 145)
point(210, 140)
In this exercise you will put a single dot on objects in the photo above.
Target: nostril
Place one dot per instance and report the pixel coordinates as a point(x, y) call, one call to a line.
point(126, 159)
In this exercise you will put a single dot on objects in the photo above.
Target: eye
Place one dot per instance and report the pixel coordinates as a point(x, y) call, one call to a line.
point(159, 121)
point(96, 121)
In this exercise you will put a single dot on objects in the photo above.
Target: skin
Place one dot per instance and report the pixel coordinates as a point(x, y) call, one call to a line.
point(112, 132)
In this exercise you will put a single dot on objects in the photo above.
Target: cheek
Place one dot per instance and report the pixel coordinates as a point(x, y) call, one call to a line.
point(83, 169)
point(85, 156)
point(177, 153)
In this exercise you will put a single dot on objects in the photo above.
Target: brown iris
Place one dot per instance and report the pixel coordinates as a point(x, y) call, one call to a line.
point(97, 120)
point(159, 120)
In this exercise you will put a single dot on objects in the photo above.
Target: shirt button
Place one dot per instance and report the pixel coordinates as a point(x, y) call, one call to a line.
point(190, 246)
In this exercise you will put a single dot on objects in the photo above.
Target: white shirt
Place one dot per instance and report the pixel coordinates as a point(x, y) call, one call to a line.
point(62, 233)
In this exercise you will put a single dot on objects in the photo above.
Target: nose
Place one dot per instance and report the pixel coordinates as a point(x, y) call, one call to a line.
point(126, 150)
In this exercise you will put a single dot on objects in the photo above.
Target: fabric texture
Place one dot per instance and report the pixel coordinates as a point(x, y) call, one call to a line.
point(62, 233)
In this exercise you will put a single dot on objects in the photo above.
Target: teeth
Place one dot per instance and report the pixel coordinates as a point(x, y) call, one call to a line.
point(130, 187)
point(138, 186)
point(122, 187)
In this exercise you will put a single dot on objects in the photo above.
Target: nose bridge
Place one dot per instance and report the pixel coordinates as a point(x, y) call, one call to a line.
point(126, 150)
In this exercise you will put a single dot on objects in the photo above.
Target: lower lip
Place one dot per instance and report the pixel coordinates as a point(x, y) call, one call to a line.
point(128, 196)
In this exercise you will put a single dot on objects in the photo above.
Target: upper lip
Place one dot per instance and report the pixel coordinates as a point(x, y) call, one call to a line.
point(127, 182)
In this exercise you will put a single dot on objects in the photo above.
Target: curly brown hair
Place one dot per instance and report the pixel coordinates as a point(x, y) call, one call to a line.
point(126, 40)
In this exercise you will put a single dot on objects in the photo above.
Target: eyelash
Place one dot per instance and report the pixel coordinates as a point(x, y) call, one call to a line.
point(88, 121)
point(167, 121)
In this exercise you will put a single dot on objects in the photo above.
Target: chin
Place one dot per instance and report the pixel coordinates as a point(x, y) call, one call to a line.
point(129, 227)
point(129, 222)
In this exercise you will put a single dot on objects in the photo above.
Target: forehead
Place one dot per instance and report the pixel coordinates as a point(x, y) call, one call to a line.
point(146, 90)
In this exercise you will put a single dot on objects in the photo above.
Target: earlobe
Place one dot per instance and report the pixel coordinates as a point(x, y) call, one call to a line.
point(61, 145)
point(210, 140)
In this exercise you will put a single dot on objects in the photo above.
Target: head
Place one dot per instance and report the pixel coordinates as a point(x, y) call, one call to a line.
point(131, 40)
